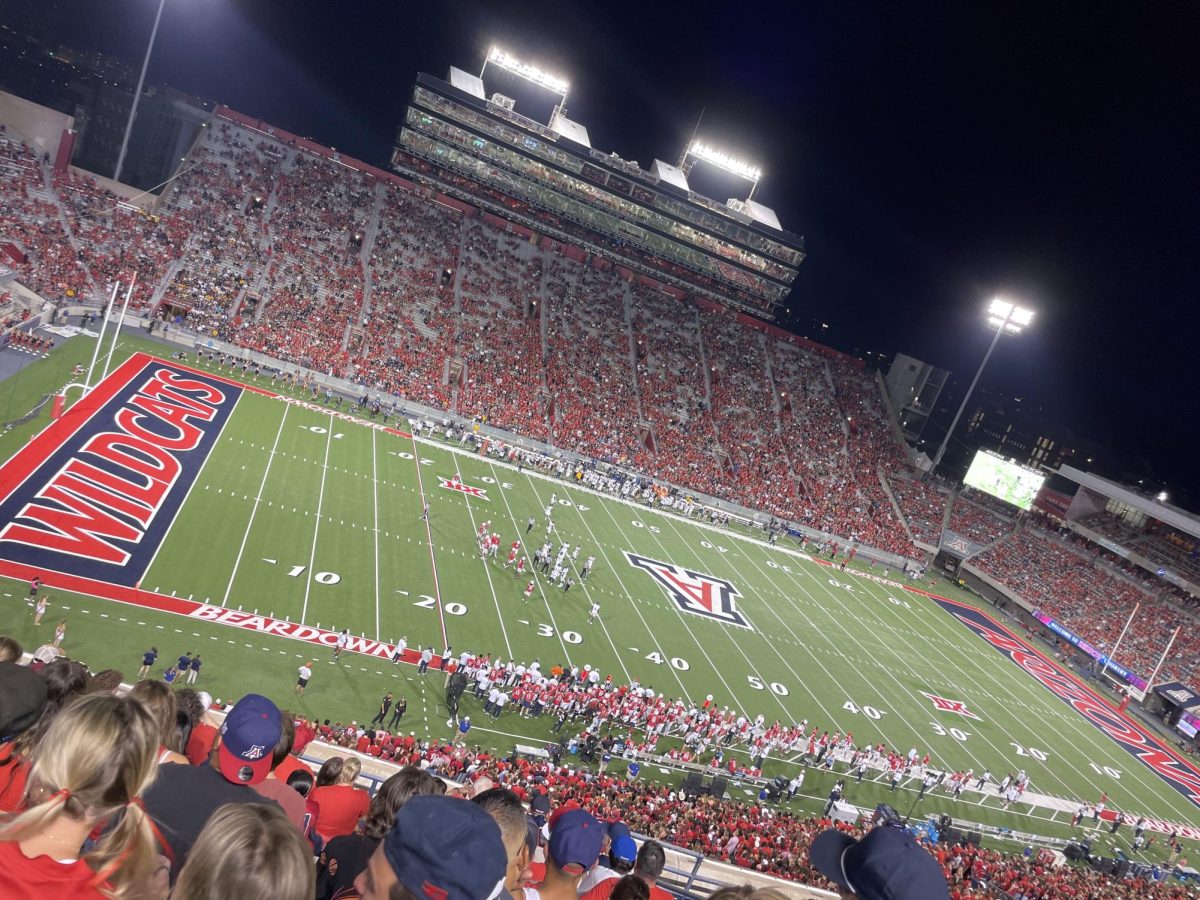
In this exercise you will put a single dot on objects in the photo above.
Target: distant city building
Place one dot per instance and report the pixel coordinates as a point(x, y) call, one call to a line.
point(97, 91)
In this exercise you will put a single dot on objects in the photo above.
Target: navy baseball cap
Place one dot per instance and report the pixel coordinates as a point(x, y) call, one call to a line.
point(248, 738)
point(22, 698)
point(887, 864)
point(446, 849)
point(575, 839)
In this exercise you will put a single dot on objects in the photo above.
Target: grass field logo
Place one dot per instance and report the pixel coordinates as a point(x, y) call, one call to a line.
point(94, 494)
point(693, 592)
point(941, 704)
point(456, 484)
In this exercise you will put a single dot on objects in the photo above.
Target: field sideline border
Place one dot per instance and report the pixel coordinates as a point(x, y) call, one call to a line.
point(310, 634)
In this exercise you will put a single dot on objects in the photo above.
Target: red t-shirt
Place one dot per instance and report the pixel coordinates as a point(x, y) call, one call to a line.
point(341, 808)
point(289, 765)
point(200, 744)
point(43, 877)
point(12, 781)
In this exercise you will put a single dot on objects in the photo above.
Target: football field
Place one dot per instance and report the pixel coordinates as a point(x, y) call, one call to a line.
point(291, 519)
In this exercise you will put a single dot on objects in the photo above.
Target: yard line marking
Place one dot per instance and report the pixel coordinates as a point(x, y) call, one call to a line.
point(437, 590)
point(254, 509)
point(375, 497)
point(312, 557)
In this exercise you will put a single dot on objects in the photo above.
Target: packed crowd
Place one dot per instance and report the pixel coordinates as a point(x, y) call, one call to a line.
point(973, 521)
point(923, 504)
point(1066, 582)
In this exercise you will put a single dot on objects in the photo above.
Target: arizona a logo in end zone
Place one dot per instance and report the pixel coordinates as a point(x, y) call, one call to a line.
point(94, 494)
point(694, 592)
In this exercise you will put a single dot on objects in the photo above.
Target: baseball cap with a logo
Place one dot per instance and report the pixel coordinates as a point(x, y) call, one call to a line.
point(248, 738)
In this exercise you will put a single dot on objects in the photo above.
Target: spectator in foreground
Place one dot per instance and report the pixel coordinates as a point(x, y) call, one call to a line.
point(346, 856)
point(10, 650)
point(301, 781)
point(886, 864)
point(183, 798)
point(745, 892)
point(622, 853)
point(342, 804)
point(247, 851)
point(575, 838)
point(505, 808)
point(95, 759)
point(630, 887)
point(64, 680)
point(648, 866)
point(159, 700)
point(439, 847)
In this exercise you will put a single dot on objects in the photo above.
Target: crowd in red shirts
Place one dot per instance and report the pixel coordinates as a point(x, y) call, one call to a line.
point(974, 522)
point(768, 839)
point(1070, 583)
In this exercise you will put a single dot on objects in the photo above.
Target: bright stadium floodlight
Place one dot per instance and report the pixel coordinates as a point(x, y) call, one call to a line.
point(1006, 318)
point(724, 161)
point(498, 57)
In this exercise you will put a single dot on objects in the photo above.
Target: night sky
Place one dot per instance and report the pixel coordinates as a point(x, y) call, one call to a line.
point(932, 154)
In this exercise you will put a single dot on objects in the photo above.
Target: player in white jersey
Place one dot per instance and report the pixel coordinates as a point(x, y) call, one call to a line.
point(595, 612)
point(575, 554)
point(587, 567)
point(556, 574)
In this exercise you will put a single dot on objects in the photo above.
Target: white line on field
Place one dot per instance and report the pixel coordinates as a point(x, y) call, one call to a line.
point(254, 509)
point(312, 557)
point(375, 533)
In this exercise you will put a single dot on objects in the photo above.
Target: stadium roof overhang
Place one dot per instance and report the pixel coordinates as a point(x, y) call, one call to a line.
point(1165, 513)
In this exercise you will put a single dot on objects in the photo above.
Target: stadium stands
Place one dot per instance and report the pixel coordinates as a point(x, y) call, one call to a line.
point(1063, 579)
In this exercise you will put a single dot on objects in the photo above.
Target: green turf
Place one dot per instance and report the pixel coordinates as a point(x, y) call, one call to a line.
point(837, 649)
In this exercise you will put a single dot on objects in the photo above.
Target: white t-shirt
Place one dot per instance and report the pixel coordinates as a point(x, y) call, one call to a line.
point(305, 672)
point(343, 640)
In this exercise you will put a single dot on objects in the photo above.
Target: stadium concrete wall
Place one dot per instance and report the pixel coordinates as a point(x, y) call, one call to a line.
point(39, 126)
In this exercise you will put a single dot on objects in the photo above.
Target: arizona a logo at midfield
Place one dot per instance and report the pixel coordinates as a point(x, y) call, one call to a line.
point(693, 592)
point(941, 704)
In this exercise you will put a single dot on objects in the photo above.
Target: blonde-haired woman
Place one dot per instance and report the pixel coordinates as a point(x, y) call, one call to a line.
point(97, 756)
point(248, 850)
point(342, 804)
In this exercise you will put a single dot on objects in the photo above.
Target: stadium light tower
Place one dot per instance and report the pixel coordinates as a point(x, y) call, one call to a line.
point(533, 74)
point(137, 93)
point(1006, 318)
point(701, 151)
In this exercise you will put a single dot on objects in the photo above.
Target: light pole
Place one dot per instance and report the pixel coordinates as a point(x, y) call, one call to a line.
point(1004, 317)
point(137, 94)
